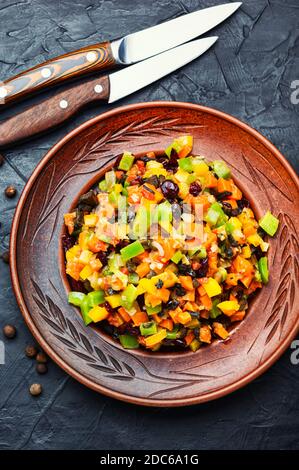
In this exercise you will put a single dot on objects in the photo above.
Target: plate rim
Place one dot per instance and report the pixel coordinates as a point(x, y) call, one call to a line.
point(173, 402)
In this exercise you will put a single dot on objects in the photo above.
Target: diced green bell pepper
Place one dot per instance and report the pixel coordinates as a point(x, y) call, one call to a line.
point(221, 169)
point(148, 328)
point(128, 341)
point(115, 262)
point(213, 214)
point(133, 278)
point(186, 164)
point(75, 298)
point(177, 257)
point(202, 253)
point(263, 269)
point(85, 308)
point(152, 310)
point(215, 311)
point(96, 297)
point(103, 185)
point(194, 345)
point(269, 223)
point(126, 161)
point(173, 334)
point(132, 250)
point(128, 296)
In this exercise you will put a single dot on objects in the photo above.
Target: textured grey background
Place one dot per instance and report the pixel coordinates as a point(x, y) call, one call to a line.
point(247, 74)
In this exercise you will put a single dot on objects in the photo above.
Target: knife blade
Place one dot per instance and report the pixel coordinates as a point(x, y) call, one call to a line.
point(57, 109)
point(125, 51)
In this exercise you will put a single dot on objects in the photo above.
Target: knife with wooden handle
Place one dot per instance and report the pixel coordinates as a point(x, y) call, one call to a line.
point(56, 110)
point(125, 51)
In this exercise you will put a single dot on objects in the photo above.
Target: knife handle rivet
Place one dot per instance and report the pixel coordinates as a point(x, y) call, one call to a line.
point(91, 56)
point(63, 104)
point(46, 73)
point(3, 92)
point(98, 88)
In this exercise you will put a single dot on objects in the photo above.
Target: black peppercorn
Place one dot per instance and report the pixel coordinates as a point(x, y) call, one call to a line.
point(5, 257)
point(9, 331)
point(41, 368)
point(41, 358)
point(10, 191)
point(35, 389)
point(30, 351)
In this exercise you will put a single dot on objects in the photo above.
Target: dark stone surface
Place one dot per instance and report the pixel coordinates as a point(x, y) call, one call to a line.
point(248, 74)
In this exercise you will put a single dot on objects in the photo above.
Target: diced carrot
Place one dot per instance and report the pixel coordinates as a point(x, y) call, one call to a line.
point(119, 174)
point(185, 151)
point(236, 193)
point(163, 294)
point(73, 269)
point(253, 286)
point(206, 301)
point(249, 230)
point(189, 296)
point(238, 316)
point(210, 180)
point(184, 317)
point(201, 291)
point(142, 256)
point(139, 317)
point(143, 269)
point(204, 314)
point(124, 314)
point(232, 202)
point(186, 282)
point(190, 306)
point(69, 220)
point(213, 262)
point(224, 185)
point(189, 338)
point(220, 331)
point(140, 165)
point(151, 155)
point(115, 319)
point(174, 313)
point(205, 334)
point(232, 279)
point(157, 318)
point(95, 245)
point(167, 323)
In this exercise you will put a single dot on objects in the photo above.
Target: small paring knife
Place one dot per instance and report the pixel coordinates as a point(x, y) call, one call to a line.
point(57, 109)
point(125, 51)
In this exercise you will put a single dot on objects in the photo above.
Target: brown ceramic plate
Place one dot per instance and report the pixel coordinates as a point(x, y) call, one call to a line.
point(156, 379)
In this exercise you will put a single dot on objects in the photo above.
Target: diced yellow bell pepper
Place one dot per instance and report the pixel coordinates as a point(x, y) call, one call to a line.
point(181, 175)
point(73, 252)
point(143, 286)
point(85, 256)
point(83, 240)
point(235, 222)
point(114, 300)
point(255, 240)
point(183, 190)
point(118, 188)
point(155, 339)
point(98, 314)
point(246, 252)
point(86, 272)
point(91, 220)
point(212, 287)
point(199, 167)
point(229, 307)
